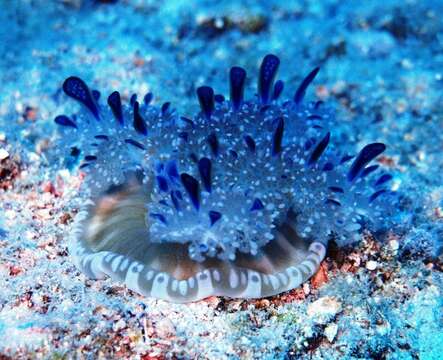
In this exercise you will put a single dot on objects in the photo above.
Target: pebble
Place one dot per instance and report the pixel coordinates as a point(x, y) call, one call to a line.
point(323, 309)
point(3, 154)
point(372, 43)
point(371, 265)
point(119, 325)
point(66, 305)
point(165, 328)
point(331, 332)
point(394, 245)
point(10, 214)
point(43, 214)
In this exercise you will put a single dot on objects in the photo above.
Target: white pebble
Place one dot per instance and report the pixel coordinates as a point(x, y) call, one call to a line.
point(331, 332)
point(371, 265)
point(3, 154)
point(394, 245)
point(10, 214)
point(165, 328)
point(324, 309)
point(119, 325)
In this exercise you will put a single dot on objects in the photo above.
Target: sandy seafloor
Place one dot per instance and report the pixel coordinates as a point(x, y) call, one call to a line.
point(381, 67)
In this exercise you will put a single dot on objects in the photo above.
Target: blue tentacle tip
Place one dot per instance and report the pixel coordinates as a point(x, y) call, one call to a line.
point(77, 89)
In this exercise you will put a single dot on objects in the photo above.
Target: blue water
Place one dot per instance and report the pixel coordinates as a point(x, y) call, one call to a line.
point(381, 69)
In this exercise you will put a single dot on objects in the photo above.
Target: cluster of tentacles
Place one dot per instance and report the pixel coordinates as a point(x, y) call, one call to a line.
point(238, 200)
